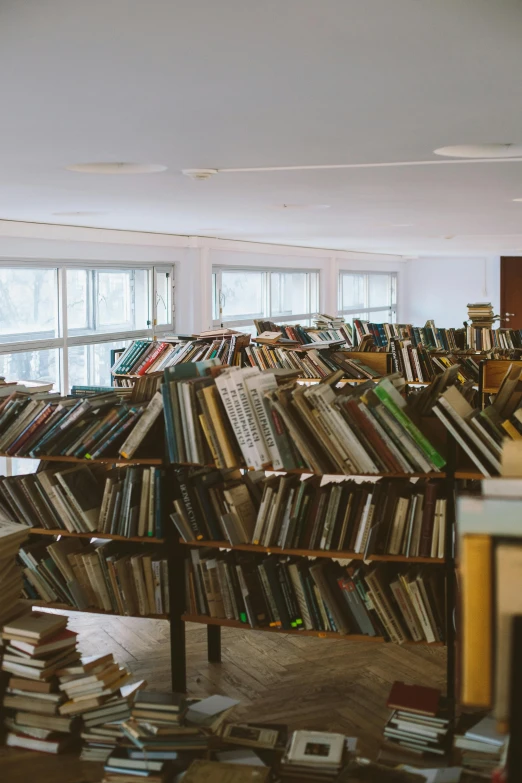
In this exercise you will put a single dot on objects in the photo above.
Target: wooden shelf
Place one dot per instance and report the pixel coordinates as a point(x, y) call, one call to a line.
point(204, 620)
point(469, 474)
point(275, 550)
point(107, 460)
point(42, 531)
point(158, 461)
point(66, 608)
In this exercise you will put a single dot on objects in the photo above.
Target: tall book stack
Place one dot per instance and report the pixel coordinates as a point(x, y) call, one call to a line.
point(38, 646)
point(483, 750)
point(156, 740)
point(418, 722)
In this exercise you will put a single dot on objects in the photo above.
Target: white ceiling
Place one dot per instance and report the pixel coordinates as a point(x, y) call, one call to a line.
point(260, 83)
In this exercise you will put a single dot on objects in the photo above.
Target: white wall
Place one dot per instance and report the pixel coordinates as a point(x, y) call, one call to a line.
point(441, 288)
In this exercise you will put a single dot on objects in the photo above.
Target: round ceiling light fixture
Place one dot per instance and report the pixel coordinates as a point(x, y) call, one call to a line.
point(481, 151)
point(117, 168)
point(199, 173)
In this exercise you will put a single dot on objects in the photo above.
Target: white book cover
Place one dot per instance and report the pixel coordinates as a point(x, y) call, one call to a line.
point(257, 384)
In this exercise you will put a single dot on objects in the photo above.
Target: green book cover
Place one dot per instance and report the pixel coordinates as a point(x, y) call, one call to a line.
point(386, 396)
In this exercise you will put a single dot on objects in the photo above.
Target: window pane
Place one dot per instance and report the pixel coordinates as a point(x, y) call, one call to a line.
point(353, 291)
point(90, 365)
point(242, 294)
point(289, 293)
point(31, 366)
point(163, 298)
point(78, 297)
point(379, 287)
point(107, 300)
point(381, 317)
point(28, 300)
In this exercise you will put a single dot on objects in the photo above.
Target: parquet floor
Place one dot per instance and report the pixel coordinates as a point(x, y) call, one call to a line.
point(305, 682)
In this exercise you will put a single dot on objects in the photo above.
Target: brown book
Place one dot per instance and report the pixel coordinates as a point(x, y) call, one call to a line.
point(35, 625)
point(21, 684)
point(414, 698)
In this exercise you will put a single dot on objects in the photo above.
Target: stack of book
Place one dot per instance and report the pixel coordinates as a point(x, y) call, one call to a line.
point(155, 735)
point(334, 323)
point(108, 576)
point(37, 648)
point(314, 754)
point(11, 538)
point(102, 727)
point(390, 516)
point(482, 748)
point(147, 357)
point(299, 594)
point(417, 722)
point(481, 314)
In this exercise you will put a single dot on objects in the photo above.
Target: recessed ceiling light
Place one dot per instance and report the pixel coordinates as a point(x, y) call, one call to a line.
point(481, 151)
point(117, 168)
point(199, 173)
point(86, 213)
point(517, 199)
point(302, 206)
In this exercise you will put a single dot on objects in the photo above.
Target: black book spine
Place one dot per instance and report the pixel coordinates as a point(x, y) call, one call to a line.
point(270, 566)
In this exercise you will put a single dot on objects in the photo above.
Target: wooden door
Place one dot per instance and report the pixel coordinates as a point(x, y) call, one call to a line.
point(511, 292)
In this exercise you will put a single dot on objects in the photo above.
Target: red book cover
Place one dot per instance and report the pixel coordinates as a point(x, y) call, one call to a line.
point(414, 698)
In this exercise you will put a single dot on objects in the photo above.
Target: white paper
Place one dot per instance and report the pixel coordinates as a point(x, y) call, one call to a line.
point(246, 756)
point(442, 775)
point(211, 706)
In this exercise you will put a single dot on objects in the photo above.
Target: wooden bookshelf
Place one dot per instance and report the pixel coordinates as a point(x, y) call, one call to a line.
point(100, 460)
point(66, 608)
point(224, 623)
point(42, 531)
point(275, 550)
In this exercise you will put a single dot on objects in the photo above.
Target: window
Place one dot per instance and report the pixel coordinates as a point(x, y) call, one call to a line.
point(283, 296)
point(60, 323)
point(371, 296)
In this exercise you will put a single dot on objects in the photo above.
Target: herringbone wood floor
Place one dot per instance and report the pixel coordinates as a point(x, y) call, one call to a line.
point(305, 682)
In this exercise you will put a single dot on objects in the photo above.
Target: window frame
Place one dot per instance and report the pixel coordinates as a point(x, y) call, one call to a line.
point(66, 338)
point(218, 269)
point(358, 311)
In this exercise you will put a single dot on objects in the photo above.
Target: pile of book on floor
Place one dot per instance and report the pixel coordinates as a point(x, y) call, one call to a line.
point(110, 576)
point(418, 721)
point(317, 754)
point(164, 732)
point(125, 501)
point(389, 516)
point(301, 594)
point(37, 648)
point(483, 749)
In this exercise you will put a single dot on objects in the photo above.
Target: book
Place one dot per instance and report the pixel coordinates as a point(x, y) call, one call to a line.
point(418, 699)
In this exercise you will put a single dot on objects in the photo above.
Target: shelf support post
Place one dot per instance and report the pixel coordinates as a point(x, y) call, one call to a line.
point(214, 643)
